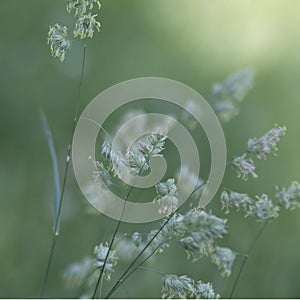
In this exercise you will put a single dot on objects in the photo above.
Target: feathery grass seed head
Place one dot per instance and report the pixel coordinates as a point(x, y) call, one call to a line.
point(233, 199)
point(226, 110)
point(153, 144)
point(174, 286)
point(228, 94)
point(263, 209)
point(244, 167)
point(223, 258)
point(166, 196)
point(136, 239)
point(86, 25)
point(168, 204)
point(103, 173)
point(266, 144)
point(289, 198)
point(80, 7)
point(194, 248)
point(58, 41)
point(137, 162)
point(205, 291)
point(210, 226)
point(160, 242)
point(166, 188)
point(100, 253)
point(106, 149)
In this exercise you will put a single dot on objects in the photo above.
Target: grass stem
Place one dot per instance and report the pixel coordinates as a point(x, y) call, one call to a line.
point(245, 258)
point(68, 158)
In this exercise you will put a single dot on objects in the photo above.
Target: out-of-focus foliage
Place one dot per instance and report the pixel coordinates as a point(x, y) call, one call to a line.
point(196, 42)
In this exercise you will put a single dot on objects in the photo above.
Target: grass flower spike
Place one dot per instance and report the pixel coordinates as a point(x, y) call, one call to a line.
point(106, 149)
point(228, 94)
point(289, 198)
point(195, 248)
point(136, 239)
point(201, 230)
point(86, 25)
point(233, 199)
point(153, 145)
point(244, 167)
point(183, 287)
point(80, 7)
point(224, 258)
point(263, 210)
point(166, 196)
point(166, 188)
point(205, 291)
point(141, 152)
point(177, 286)
point(58, 41)
point(266, 144)
point(100, 254)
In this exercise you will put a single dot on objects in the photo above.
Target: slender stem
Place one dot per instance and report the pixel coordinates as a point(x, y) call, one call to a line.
point(111, 243)
point(150, 270)
point(245, 258)
point(48, 266)
point(140, 266)
point(115, 234)
point(127, 272)
point(118, 225)
point(68, 157)
point(100, 289)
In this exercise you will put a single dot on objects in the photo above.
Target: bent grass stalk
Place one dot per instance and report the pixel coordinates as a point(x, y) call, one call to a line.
point(150, 270)
point(99, 280)
point(115, 234)
point(245, 259)
point(130, 272)
point(68, 158)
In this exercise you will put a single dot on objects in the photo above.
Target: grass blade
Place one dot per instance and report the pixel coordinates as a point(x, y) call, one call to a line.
point(56, 179)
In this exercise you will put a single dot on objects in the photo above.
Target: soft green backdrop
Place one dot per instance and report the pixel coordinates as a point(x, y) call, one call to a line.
point(195, 42)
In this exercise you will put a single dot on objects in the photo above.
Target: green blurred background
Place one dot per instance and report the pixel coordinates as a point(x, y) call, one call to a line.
point(195, 42)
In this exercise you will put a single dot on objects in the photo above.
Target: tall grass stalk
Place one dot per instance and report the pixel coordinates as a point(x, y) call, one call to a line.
point(245, 259)
point(114, 235)
point(68, 158)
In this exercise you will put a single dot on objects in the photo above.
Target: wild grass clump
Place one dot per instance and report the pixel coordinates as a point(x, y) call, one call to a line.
point(196, 230)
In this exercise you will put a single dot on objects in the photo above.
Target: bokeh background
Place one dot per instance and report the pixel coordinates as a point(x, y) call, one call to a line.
point(195, 42)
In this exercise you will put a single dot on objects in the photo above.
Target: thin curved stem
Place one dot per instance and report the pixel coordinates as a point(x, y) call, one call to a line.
point(127, 271)
point(101, 285)
point(68, 158)
point(140, 266)
point(115, 234)
point(150, 270)
point(245, 258)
